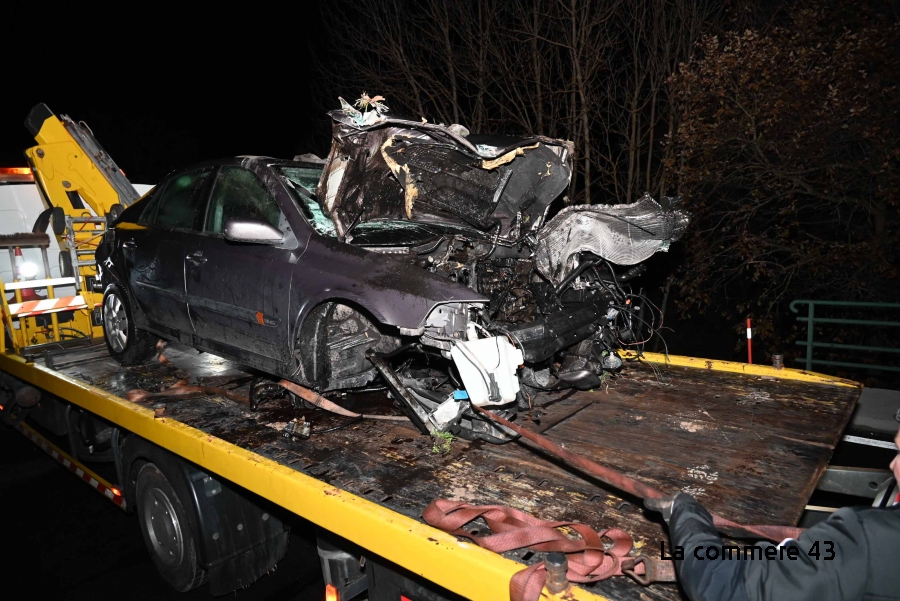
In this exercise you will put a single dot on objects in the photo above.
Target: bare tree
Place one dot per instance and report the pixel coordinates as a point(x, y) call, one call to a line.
point(786, 145)
point(587, 71)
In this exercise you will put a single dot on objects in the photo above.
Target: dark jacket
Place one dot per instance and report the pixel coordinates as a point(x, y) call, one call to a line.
point(863, 544)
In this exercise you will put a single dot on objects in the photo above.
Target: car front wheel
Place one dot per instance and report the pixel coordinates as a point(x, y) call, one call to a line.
point(127, 344)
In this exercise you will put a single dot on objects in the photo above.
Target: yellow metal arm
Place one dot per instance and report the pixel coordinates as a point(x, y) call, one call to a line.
point(75, 178)
point(70, 166)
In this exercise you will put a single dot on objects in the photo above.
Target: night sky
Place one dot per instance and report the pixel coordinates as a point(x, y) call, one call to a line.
point(161, 92)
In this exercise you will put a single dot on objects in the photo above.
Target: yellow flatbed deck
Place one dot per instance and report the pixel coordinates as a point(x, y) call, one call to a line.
point(749, 441)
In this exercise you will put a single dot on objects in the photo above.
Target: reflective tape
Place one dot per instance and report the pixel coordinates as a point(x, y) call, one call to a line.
point(39, 283)
point(870, 442)
point(90, 478)
point(47, 305)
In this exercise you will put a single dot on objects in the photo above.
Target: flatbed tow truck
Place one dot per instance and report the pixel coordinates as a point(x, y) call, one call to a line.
point(751, 442)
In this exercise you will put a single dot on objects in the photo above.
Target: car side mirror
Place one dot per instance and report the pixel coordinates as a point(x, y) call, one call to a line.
point(252, 231)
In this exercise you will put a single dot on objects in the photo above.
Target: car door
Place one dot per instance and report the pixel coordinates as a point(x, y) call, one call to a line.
point(238, 294)
point(154, 252)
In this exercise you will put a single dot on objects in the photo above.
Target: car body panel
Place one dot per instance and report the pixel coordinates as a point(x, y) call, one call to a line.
point(153, 258)
point(240, 294)
point(395, 292)
point(250, 300)
point(157, 288)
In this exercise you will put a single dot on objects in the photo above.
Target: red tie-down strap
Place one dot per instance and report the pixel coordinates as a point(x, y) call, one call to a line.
point(589, 559)
point(639, 489)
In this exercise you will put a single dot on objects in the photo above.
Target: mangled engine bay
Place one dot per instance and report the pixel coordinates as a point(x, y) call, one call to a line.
point(557, 306)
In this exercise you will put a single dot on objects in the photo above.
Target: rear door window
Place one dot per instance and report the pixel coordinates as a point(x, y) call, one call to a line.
point(176, 206)
point(239, 194)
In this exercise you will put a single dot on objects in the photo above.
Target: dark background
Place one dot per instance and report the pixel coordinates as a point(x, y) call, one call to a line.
point(59, 539)
point(163, 90)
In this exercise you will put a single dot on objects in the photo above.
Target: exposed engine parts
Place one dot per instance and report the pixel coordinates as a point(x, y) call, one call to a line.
point(572, 331)
point(478, 211)
point(531, 336)
point(439, 264)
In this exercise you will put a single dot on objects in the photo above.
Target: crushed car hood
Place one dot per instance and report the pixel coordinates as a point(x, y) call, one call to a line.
point(624, 234)
point(388, 168)
point(383, 169)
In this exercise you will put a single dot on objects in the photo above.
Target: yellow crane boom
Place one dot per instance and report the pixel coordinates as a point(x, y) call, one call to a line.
point(83, 191)
point(71, 168)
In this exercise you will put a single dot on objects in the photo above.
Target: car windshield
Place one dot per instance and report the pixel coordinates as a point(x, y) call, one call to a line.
point(302, 181)
point(307, 178)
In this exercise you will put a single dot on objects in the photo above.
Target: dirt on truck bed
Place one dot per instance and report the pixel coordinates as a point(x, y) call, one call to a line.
point(750, 448)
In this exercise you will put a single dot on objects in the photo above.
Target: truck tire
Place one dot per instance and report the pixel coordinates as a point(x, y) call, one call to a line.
point(166, 531)
point(89, 437)
point(127, 344)
point(58, 220)
point(113, 214)
point(65, 265)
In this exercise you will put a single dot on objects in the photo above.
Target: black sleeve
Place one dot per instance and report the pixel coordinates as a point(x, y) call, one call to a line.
point(691, 528)
point(839, 573)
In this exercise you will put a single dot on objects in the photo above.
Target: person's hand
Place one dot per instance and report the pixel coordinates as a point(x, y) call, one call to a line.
point(663, 505)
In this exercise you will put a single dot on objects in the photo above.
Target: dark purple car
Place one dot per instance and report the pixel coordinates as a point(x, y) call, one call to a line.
point(416, 253)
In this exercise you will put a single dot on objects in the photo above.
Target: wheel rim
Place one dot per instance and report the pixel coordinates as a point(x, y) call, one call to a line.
point(115, 323)
point(163, 527)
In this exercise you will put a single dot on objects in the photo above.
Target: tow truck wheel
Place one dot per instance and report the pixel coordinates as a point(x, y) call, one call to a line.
point(127, 344)
point(166, 532)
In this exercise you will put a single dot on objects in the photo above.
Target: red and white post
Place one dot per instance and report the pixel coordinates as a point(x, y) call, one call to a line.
point(749, 342)
point(17, 268)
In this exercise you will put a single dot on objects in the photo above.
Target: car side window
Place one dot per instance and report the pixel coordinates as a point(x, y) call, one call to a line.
point(148, 204)
point(238, 194)
point(137, 212)
point(177, 204)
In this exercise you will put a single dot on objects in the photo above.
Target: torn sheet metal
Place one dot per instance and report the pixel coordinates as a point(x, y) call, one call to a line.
point(386, 168)
point(622, 234)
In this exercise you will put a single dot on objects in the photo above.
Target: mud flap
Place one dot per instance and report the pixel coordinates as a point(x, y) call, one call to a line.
point(388, 582)
point(240, 538)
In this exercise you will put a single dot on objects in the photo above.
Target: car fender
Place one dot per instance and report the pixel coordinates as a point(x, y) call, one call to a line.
point(394, 292)
point(111, 270)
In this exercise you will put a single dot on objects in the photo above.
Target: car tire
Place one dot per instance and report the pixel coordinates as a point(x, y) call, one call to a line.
point(166, 531)
point(127, 344)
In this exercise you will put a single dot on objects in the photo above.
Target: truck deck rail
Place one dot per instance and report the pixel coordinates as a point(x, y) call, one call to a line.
point(749, 441)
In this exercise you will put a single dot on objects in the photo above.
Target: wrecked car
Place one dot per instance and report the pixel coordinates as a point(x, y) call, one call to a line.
point(416, 256)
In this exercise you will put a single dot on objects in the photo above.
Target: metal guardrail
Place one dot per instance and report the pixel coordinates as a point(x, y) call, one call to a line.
point(811, 321)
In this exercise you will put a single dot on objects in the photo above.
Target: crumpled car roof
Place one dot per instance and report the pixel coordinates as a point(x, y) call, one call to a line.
point(387, 168)
point(381, 167)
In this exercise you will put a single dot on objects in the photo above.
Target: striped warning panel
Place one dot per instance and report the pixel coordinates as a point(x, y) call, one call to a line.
point(47, 305)
point(86, 474)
